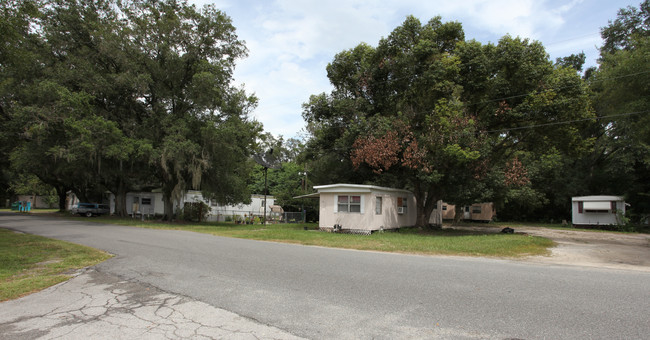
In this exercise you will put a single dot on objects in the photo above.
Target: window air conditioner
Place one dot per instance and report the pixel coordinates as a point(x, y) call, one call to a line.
point(400, 210)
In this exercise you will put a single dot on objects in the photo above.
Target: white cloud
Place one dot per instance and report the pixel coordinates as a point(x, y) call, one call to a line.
point(291, 41)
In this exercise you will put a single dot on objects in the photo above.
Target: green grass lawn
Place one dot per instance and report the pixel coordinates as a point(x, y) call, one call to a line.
point(34, 211)
point(29, 263)
point(408, 240)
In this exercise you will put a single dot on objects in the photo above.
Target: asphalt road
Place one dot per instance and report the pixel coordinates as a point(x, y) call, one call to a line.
point(322, 293)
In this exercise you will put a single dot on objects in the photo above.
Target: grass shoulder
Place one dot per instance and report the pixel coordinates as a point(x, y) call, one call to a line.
point(30, 263)
point(408, 240)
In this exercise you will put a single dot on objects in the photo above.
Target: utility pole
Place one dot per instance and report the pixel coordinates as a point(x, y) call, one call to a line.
point(267, 160)
point(265, 190)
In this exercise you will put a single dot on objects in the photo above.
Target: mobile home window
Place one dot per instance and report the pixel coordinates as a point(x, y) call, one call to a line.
point(146, 201)
point(402, 202)
point(349, 204)
point(476, 209)
point(597, 207)
point(378, 205)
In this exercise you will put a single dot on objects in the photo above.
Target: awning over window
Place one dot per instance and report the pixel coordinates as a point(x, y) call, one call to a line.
point(597, 205)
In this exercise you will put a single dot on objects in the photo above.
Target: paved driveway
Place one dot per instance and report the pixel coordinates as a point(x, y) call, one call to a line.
point(322, 293)
point(95, 305)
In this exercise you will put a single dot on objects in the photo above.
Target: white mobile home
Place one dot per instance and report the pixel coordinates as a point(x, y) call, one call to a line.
point(151, 203)
point(597, 210)
point(255, 208)
point(364, 208)
point(477, 212)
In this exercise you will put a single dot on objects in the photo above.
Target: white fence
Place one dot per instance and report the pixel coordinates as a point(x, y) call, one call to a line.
point(224, 215)
point(294, 217)
point(251, 216)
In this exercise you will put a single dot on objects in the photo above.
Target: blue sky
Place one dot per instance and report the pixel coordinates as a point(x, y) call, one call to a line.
point(291, 42)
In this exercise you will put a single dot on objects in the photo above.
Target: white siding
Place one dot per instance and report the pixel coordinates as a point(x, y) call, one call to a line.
point(596, 210)
point(366, 219)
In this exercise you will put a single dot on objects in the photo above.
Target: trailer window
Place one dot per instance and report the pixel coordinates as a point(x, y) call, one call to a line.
point(402, 205)
point(349, 204)
point(378, 205)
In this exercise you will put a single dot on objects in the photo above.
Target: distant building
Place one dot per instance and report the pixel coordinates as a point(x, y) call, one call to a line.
point(478, 212)
point(150, 203)
point(597, 210)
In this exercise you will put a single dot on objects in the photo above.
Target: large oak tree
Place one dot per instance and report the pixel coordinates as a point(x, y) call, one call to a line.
point(445, 117)
point(125, 95)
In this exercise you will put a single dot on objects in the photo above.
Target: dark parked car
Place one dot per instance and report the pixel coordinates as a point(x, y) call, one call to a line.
point(90, 209)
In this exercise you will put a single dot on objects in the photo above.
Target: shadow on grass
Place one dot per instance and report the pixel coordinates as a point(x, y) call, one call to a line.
point(450, 231)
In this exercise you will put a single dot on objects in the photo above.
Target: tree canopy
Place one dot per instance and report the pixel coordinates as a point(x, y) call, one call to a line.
point(621, 159)
point(445, 117)
point(109, 95)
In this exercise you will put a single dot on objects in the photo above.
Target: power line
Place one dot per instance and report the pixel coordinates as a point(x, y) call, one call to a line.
point(567, 122)
point(558, 88)
point(571, 39)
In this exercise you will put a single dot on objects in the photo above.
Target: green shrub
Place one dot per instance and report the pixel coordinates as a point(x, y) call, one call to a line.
point(195, 211)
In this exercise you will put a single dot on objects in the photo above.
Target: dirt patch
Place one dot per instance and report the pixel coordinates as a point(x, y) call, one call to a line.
point(586, 248)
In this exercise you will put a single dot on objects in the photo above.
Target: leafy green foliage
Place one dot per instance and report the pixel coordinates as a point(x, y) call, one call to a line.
point(621, 158)
point(624, 32)
point(444, 117)
point(125, 95)
point(195, 211)
point(574, 61)
point(202, 135)
point(291, 180)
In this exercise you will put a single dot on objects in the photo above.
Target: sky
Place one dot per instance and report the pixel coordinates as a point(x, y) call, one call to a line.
point(290, 42)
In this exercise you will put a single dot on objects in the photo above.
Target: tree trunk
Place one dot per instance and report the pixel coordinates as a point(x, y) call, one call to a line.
point(61, 192)
point(458, 214)
point(168, 202)
point(425, 202)
point(422, 218)
point(169, 207)
point(120, 200)
point(424, 212)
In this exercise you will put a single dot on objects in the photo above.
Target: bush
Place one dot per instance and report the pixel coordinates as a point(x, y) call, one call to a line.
point(195, 211)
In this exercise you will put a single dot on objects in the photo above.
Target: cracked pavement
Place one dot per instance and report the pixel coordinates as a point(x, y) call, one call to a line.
point(97, 305)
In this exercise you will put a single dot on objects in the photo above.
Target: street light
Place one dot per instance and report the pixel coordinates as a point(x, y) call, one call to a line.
point(267, 160)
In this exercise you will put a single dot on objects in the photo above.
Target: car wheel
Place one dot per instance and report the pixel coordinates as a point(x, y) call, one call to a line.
point(89, 214)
